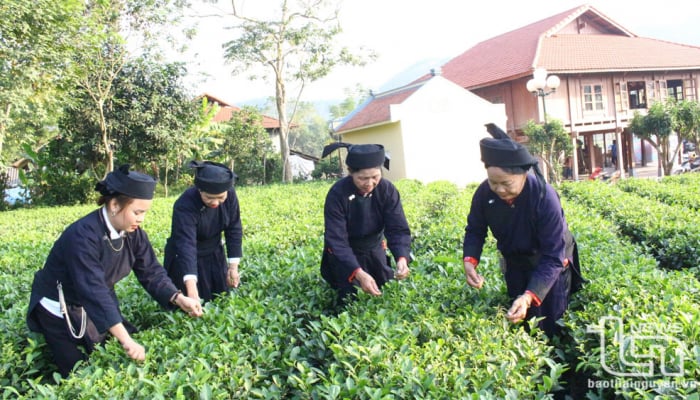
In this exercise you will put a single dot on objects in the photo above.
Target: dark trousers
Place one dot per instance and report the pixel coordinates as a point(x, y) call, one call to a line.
point(66, 350)
point(212, 270)
point(373, 261)
point(553, 305)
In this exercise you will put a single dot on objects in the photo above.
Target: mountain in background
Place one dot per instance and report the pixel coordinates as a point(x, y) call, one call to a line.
point(404, 77)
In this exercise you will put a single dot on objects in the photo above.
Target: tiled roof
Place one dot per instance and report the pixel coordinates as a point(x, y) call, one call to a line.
point(548, 43)
point(515, 52)
point(591, 53)
point(226, 112)
point(376, 110)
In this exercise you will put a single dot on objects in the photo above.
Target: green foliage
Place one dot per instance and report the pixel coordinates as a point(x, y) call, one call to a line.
point(151, 112)
point(431, 336)
point(625, 283)
point(310, 132)
point(56, 178)
point(686, 119)
point(37, 37)
point(329, 167)
point(667, 231)
point(552, 143)
point(353, 98)
point(664, 119)
point(246, 146)
point(296, 45)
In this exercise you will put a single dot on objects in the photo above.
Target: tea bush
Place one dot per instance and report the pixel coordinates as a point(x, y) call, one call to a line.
point(280, 335)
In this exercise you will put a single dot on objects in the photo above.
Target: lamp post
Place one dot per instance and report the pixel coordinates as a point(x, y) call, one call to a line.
point(542, 85)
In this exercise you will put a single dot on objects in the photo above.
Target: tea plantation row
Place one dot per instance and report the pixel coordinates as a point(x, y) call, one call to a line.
point(430, 336)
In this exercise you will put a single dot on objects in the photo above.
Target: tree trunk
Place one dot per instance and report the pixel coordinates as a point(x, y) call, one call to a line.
point(165, 178)
point(109, 161)
point(281, 101)
point(3, 127)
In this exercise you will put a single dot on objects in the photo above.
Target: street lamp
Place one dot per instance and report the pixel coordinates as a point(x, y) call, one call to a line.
point(542, 85)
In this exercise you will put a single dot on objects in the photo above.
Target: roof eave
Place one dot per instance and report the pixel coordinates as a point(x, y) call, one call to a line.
point(359, 128)
point(583, 71)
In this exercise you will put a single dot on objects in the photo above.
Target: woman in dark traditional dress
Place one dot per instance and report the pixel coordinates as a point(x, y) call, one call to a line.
point(524, 214)
point(73, 302)
point(194, 254)
point(361, 211)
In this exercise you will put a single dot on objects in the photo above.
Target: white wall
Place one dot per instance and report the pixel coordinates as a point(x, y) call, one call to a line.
point(442, 124)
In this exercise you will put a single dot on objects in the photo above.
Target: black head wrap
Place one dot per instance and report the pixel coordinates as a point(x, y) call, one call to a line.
point(502, 151)
point(129, 183)
point(361, 156)
point(212, 177)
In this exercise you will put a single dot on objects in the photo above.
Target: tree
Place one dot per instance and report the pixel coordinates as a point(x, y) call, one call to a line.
point(152, 113)
point(551, 143)
point(36, 41)
point(298, 45)
point(246, 146)
point(109, 26)
point(656, 127)
point(310, 131)
point(353, 98)
point(661, 121)
point(149, 116)
point(685, 115)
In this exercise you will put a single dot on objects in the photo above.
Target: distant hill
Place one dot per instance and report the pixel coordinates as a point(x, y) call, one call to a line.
point(402, 78)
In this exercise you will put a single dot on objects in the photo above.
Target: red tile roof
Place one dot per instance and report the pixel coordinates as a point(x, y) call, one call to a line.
point(226, 112)
point(550, 43)
point(514, 53)
point(593, 53)
point(376, 110)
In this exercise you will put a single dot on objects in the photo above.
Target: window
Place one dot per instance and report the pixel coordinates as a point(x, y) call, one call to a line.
point(637, 94)
point(689, 89)
point(593, 98)
point(621, 97)
point(675, 89)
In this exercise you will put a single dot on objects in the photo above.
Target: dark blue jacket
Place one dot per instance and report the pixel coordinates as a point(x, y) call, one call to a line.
point(531, 226)
point(349, 217)
point(88, 268)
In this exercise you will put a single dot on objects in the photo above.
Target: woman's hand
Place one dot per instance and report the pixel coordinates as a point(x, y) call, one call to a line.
point(367, 283)
point(518, 310)
point(233, 278)
point(189, 305)
point(134, 350)
point(473, 278)
point(402, 270)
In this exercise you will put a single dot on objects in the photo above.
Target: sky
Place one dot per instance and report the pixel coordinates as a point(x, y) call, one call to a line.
point(411, 37)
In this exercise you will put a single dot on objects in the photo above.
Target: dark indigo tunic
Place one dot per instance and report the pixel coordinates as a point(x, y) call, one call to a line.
point(196, 234)
point(352, 219)
point(532, 228)
point(88, 268)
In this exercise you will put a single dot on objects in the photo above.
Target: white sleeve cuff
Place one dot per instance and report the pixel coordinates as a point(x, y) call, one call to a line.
point(189, 277)
point(235, 260)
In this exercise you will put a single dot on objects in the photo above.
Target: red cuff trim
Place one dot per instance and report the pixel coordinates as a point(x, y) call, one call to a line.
point(472, 260)
point(536, 300)
point(352, 276)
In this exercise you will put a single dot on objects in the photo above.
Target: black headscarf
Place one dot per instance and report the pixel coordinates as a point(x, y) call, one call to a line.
point(212, 177)
point(502, 151)
point(361, 156)
point(129, 183)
